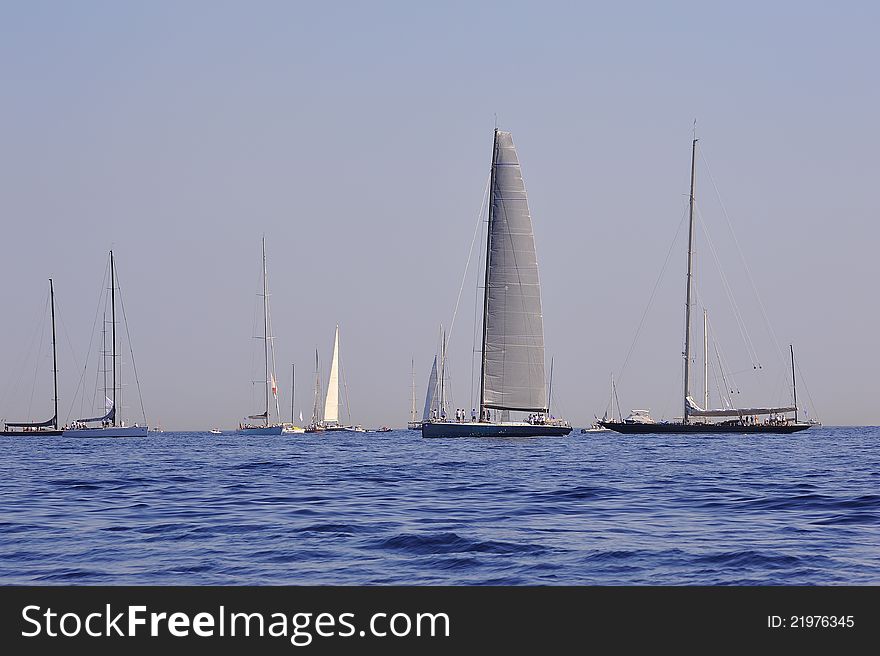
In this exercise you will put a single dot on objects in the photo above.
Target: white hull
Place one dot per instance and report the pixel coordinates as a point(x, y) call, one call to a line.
point(109, 431)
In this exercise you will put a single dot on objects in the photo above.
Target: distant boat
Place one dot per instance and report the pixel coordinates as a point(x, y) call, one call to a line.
point(413, 423)
point(737, 420)
point(292, 428)
point(111, 423)
point(50, 426)
point(512, 364)
point(263, 425)
point(329, 418)
point(596, 428)
point(215, 431)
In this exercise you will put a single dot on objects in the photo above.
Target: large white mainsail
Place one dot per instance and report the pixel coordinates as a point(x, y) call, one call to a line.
point(331, 403)
point(513, 334)
point(512, 366)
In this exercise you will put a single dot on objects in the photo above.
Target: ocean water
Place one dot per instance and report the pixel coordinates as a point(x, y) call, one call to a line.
point(392, 508)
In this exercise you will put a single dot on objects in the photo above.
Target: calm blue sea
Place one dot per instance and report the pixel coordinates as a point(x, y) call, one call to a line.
point(392, 508)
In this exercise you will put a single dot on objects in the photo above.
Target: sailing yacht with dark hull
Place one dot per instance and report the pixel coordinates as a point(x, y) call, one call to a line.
point(694, 418)
point(50, 426)
point(109, 424)
point(263, 426)
point(512, 364)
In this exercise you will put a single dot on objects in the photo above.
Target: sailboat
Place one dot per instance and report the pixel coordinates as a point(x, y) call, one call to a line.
point(596, 426)
point(413, 423)
point(50, 426)
point(329, 420)
point(512, 363)
point(263, 425)
point(110, 424)
point(293, 428)
point(694, 418)
point(432, 395)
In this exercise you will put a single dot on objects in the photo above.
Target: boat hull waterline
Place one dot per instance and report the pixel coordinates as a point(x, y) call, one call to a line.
point(485, 429)
point(110, 431)
point(700, 428)
point(33, 433)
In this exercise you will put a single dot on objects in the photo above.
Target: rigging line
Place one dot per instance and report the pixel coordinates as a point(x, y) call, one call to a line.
point(478, 325)
point(80, 383)
point(345, 389)
point(271, 338)
point(728, 389)
point(254, 309)
point(743, 329)
point(651, 299)
point(15, 380)
point(726, 399)
point(803, 380)
point(767, 324)
point(39, 352)
point(131, 350)
point(718, 390)
point(467, 265)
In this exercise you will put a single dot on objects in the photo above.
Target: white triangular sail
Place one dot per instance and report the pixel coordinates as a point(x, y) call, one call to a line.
point(431, 394)
point(513, 358)
point(331, 404)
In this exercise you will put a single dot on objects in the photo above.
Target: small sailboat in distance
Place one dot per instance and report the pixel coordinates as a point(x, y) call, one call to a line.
point(694, 418)
point(413, 423)
point(292, 427)
point(512, 347)
point(263, 425)
point(50, 426)
point(329, 419)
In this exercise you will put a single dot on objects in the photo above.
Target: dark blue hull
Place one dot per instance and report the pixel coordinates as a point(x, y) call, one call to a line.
point(703, 429)
point(481, 429)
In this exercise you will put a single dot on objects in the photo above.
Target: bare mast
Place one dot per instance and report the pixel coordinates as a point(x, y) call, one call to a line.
point(54, 359)
point(266, 327)
point(793, 383)
point(687, 313)
point(113, 332)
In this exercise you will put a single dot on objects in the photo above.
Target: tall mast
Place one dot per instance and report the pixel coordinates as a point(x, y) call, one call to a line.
point(486, 281)
point(705, 359)
point(793, 382)
point(54, 360)
point(550, 391)
point(687, 312)
point(266, 327)
point(113, 331)
point(292, 389)
point(315, 417)
point(442, 403)
point(611, 418)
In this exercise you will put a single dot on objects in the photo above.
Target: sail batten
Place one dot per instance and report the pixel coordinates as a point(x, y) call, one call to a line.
point(331, 403)
point(513, 348)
